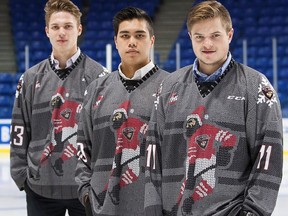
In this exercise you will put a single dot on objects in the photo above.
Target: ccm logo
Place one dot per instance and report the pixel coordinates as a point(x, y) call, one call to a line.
point(238, 98)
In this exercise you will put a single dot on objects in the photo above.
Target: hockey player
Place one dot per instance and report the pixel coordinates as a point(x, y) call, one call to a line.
point(45, 117)
point(214, 144)
point(113, 123)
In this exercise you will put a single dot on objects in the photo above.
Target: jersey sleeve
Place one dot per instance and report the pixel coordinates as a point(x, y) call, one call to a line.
point(153, 172)
point(84, 136)
point(265, 140)
point(20, 133)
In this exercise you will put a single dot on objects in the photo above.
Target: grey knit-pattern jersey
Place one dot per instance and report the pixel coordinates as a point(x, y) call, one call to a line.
point(44, 126)
point(111, 143)
point(214, 154)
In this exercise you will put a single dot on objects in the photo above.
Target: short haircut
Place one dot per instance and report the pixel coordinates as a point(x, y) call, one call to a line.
point(208, 10)
point(53, 6)
point(130, 13)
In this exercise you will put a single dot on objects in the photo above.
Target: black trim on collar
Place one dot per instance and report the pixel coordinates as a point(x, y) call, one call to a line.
point(63, 73)
point(206, 87)
point(131, 85)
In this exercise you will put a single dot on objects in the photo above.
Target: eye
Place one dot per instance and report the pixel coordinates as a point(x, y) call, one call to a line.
point(68, 26)
point(198, 37)
point(139, 36)
point(54, 27)
point(215, 35)
point(124, 36)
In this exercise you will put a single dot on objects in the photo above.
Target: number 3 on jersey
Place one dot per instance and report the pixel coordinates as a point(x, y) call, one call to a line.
point(17, 137)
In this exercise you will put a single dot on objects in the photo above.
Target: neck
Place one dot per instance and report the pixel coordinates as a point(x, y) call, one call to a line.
point(63, 56)
point(129, 70)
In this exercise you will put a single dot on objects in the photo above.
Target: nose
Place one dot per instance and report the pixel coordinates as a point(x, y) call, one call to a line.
point(207, 43)
point(132, 42)
point(62, 32)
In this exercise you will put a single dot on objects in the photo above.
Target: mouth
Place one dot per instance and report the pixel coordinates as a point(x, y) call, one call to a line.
point(208, 52)
point(61, 41)
point(132, 51)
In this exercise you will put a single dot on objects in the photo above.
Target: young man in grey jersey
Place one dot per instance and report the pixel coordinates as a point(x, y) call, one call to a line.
point(214, 143)
point(45, 117)
point(114, 120)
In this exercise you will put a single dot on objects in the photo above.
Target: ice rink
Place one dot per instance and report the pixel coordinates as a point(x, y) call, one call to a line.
point(13, 203)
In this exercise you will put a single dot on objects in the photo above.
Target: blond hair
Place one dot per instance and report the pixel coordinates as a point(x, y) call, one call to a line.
point(208, 10)
point(53, 6)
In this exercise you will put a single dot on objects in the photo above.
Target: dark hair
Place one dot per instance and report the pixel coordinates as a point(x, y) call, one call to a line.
point(130, 13)
point(53, 6)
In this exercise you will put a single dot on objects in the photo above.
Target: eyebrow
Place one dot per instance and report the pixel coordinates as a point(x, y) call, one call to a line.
point(70, 23)
point(216, 32)
point(138, 31)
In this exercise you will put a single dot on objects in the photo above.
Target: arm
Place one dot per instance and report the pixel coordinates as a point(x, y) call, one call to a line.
point(83, 169)
point(265, 139)
point(153, 173)
point(20, 134)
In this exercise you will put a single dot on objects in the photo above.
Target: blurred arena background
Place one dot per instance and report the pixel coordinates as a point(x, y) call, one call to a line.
point(260, 41)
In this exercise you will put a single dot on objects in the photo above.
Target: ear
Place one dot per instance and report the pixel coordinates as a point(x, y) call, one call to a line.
point(190, 36)
point(152, 40)
point(230, 35)
point(115, 41)
point(80, 30)
point(47, 31)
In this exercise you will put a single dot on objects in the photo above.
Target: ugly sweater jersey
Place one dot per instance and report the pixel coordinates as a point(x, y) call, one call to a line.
point(44, 126)
point(217, 153)
point(112, 136)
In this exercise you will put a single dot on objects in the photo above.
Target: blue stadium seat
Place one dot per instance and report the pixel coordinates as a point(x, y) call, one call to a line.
point(5, 113)
point(6, 78)
point(6, 101)
point(6, 89)
point(284, 110)
point(283, 73)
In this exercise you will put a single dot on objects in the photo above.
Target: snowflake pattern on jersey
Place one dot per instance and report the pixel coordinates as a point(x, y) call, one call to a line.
point(266, 93)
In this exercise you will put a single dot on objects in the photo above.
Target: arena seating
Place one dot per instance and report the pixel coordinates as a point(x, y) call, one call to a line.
point(256, 21)
point(7, 91)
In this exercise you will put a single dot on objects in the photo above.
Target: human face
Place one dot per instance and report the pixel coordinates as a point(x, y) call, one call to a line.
point(210, 42)
point(134, 43)
point(63, 31)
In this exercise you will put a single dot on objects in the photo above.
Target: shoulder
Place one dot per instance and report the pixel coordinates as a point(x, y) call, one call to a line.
point(248, 72)
point(104, 80)
point(259, 89)
point(40, 68)
point(94, 68)
point(159, 76)
point(100, 84)
point(178, 76)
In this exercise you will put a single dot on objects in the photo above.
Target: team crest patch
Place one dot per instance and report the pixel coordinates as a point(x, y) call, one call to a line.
point(128, 132)
point(266, 94)
point(66, 114)
point(202, 140)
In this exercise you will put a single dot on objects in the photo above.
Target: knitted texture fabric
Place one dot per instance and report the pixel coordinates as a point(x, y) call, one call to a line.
point(112, 138)
point(44, 127)
point(217, 154)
